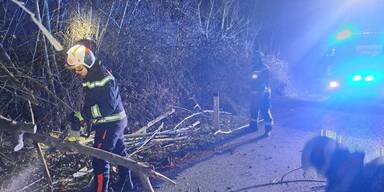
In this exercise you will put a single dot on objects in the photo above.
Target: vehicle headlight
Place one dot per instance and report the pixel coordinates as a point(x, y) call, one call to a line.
point(369, 78)
point(333, 84)
point(357, 78)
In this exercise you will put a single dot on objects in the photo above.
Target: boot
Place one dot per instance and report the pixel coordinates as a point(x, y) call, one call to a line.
point(126, 182)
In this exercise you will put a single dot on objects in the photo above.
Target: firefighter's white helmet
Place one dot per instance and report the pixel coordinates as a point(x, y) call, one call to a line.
point(80, 55)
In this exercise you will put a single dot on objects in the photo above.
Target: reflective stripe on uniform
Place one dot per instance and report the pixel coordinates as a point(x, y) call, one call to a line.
point(78, 115)
point(267, 90)
point(100, 180)
point(95, 110)
point(104, 135)
point(111, 118)
point(100, 83)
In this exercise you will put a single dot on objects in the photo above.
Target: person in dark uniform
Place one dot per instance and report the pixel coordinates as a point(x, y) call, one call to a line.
point(102, 109)
point(345, 170)
point(260, 95)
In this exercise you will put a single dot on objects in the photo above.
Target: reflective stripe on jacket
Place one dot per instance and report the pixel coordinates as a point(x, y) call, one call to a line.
point(103, 102)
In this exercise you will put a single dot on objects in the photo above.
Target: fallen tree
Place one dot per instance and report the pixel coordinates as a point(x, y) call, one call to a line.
point(14, 126)
point(143, 170)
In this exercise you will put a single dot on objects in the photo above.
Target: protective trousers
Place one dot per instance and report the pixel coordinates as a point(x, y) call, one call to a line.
point(109, 137)
point(261, 104)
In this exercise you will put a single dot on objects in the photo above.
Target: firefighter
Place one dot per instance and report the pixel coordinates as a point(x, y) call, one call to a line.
point(260, 95)
point(102, 110)
point(345, 170)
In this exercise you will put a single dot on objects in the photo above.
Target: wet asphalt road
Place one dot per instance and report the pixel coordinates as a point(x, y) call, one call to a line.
point(250, 160)
point(363, 120)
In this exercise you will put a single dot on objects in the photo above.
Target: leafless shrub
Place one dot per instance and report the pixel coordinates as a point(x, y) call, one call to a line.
point(162, 53)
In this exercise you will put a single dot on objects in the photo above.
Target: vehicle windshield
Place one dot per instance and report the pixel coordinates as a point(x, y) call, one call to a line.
point(369, 50)
point(361, 53)
point(359, 45)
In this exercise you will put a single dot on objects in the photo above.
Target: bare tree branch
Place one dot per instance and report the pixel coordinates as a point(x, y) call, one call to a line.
point(157, 119)
point(51, 39)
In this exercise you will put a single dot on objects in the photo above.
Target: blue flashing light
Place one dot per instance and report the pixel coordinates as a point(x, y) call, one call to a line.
point(369, 78)
point(343, 35)
point(357, 78)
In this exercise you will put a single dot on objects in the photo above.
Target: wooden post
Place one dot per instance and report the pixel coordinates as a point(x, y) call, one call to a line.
point(40, 152)
point(216, 107)
point(46, 170)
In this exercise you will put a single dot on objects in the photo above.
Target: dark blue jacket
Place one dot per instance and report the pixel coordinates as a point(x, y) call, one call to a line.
point(260, 76)
point(103, 102)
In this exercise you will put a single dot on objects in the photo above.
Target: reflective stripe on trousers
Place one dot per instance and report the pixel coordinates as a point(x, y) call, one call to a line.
point(111, 118)
point(100, 180)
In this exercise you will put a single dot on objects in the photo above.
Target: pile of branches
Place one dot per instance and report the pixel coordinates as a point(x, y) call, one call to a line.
point(162, 143)
point(193, 132)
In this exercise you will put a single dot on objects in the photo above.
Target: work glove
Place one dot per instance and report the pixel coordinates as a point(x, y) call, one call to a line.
point(78, 125)
point(74, 136)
